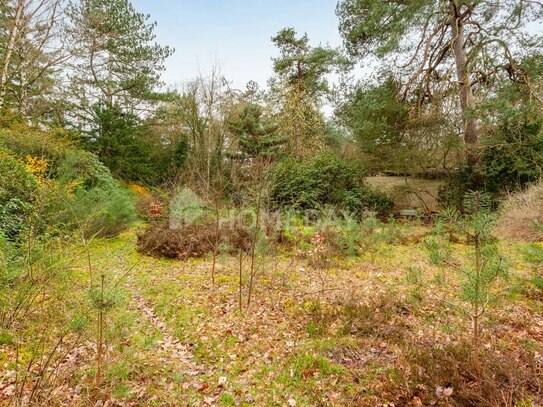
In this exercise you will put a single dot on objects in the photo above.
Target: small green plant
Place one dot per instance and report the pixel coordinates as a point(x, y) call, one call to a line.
point(227, 399)
point(483, 263)
point(414, 276)
point(103, 299)
point(438, 247)
point(374, 234)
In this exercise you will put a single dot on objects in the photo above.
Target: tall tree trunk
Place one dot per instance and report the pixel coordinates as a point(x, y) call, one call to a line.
point(23, 93)
point(8, 51)
point(467, 103)
point(23, 68)
point(297, 122)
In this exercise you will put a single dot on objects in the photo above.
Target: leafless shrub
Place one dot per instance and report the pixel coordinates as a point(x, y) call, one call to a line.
point(191, 240)
point(187, 241)
point(236, 237)
point(467, 376)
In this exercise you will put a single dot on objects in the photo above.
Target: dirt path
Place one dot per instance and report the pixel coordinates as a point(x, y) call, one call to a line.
point(171, 350)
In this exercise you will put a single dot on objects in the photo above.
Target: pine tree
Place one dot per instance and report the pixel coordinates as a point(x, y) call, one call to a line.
point(256, 134)
point(301, 82)
point(116, 62)
point(463, 47)
point(483, 264)
point(114, 79)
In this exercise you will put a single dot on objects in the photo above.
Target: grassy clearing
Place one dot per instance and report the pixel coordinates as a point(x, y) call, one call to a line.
point(367, 330)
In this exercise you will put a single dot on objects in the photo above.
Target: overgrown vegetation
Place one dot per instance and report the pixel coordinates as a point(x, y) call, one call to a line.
point(200, 244)
point(324, 181)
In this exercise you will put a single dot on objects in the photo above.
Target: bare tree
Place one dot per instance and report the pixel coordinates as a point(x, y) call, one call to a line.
point(33, 50)
point(201, 110)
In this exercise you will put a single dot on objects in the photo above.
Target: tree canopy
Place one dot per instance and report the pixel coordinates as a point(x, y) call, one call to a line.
point(447, 46)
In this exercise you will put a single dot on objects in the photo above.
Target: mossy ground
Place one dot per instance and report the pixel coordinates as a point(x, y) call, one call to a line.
point(342, 335)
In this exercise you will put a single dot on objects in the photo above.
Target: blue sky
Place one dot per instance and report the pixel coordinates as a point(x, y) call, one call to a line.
point(236, 33)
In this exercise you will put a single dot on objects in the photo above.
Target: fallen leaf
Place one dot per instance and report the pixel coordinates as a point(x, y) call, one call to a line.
point(308, 373)
point(333, 397)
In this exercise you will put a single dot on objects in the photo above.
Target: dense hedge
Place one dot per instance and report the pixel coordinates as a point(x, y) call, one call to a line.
point(513, 156)
point(325, 180)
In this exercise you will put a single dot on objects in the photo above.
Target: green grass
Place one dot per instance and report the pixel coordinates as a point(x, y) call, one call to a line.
point(226, 399)
point(120, 370)
point(289, 344)
point(122, 391)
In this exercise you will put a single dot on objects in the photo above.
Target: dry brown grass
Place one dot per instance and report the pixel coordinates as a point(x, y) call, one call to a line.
point(519, 214)
point(475, 377)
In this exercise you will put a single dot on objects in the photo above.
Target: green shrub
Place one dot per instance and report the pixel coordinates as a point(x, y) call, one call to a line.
point(18, 193)
point(103, 211)
point(10, 254)
point(25, 141)
point(464, 179)
point(77, 189)
point(86, 169)
point(325, 180)
point(513, 156)
point(511, 160)
point(98, 204)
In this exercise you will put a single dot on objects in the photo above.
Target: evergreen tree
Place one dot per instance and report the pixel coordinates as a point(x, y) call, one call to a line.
point(115, 75)
point(301, 72)
point(378, 119)
point(394, 134)
point(257, 135)
point(484, 263)
point(116, 62)
point(118, 138)
point(463, 47)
